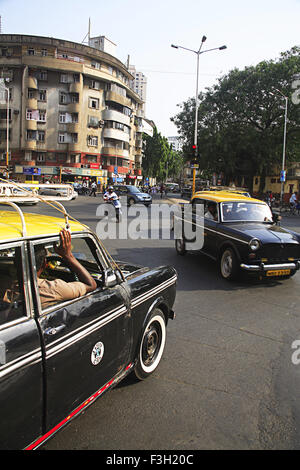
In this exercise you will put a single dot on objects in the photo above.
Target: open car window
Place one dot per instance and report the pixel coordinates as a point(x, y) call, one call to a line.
point(56, 269)
point(12, 298)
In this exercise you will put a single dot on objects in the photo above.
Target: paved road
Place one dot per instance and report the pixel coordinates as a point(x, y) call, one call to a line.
point(226, 380)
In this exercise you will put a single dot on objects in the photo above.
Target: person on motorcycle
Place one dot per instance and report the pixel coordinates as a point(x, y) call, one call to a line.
point(111, 197)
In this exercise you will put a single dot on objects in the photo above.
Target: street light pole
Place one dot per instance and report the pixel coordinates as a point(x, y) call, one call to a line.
point(284, 143)
point(196, 98)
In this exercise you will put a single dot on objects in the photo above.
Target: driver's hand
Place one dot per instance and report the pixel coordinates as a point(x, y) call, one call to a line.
point(64, 249)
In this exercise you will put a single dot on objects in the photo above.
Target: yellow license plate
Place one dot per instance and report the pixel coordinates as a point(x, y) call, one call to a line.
point(279, 272)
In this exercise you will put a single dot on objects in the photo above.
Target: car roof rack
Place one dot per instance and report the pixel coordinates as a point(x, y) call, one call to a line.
point(12, 192)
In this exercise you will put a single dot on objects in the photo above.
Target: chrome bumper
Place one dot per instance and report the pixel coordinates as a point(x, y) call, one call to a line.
point(270, 267)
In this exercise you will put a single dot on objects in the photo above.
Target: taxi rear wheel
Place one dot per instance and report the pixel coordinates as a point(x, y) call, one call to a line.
point(151, 346)
point(228, 264)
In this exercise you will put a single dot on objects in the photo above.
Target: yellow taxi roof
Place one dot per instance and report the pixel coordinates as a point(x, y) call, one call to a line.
point(225, 196)
point(36, 225)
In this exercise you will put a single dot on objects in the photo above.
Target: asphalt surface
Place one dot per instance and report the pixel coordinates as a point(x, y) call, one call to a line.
point(226, 380)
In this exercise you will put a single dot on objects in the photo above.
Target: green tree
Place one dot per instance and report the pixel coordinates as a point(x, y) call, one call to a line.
point(241, 119)
point(159, 160)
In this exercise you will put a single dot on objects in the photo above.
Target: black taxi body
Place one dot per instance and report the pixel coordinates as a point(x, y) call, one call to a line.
point(240, 234)
point(56, 361)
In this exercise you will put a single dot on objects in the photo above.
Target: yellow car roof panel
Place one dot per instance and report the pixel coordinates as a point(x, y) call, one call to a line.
point(224, 196)
point(36, 225)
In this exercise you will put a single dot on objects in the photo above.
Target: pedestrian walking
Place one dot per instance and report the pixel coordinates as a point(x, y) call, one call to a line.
point(93, 189)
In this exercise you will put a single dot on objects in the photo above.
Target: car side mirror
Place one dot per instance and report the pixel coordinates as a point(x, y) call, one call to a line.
point(110, 278)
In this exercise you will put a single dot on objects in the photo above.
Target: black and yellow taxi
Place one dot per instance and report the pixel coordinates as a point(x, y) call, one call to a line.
point(239, 233)
point(57, 359)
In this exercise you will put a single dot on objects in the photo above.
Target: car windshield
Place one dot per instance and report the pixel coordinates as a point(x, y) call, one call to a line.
point(245, 212)
point(134, 189)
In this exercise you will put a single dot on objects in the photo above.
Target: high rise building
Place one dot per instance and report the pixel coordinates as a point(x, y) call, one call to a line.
point(175, 142)
point(139, 85)
point(72, 112)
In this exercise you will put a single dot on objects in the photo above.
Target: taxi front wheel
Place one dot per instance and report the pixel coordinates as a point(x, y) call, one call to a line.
point(229, 264)
point(151, 346)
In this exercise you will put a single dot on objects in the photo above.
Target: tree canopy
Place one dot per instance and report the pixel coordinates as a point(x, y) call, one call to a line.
point(241, 119)
point(159, 159)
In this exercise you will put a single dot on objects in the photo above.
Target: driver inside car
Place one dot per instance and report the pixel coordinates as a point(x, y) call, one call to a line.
point(58, 290)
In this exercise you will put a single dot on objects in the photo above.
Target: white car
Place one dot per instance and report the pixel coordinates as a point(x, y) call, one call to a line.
point(56, 192)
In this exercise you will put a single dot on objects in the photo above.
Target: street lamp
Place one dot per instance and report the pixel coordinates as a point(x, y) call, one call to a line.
point(284, 142)
point(196, 110)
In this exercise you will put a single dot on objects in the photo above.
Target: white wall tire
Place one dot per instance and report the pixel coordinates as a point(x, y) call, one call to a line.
point(228, 265)
point(151, 346)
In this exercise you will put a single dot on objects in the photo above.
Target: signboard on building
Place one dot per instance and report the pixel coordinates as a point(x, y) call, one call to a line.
point(31, 171)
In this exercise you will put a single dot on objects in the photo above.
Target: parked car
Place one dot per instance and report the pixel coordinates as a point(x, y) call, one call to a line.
point(241, 235)
point(60, 192)
point(57, 360)
point(134, 194)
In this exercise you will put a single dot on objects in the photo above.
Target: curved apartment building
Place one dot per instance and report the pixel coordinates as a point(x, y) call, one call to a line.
point(72, 113)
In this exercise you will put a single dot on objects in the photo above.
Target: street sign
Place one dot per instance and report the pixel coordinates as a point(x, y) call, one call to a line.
point(282, 176)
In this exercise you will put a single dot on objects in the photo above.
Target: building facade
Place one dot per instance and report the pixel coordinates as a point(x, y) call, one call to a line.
point(139, 85)
point(72, 113)
point(271, 182)
point(175, 142)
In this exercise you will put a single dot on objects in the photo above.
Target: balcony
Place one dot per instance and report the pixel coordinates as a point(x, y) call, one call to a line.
point(30, 145)
point(115, 134)
point(75, 87)
point(31, 125)
point(112, 115)
point(74, 147)
point(32, 103)
point(115, 151)
point(73, 127)
point(32, 82)
point(113, 96)
point(74, 107)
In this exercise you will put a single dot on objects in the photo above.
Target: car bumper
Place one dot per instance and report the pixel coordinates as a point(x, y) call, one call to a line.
point(270, 267)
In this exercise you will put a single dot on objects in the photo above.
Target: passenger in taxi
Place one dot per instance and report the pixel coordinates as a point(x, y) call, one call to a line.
point(52, 292)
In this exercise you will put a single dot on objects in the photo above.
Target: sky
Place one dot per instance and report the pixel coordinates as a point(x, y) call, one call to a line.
point(252, 31)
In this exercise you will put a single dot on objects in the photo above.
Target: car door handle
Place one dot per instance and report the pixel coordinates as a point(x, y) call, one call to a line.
point(53, 331)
